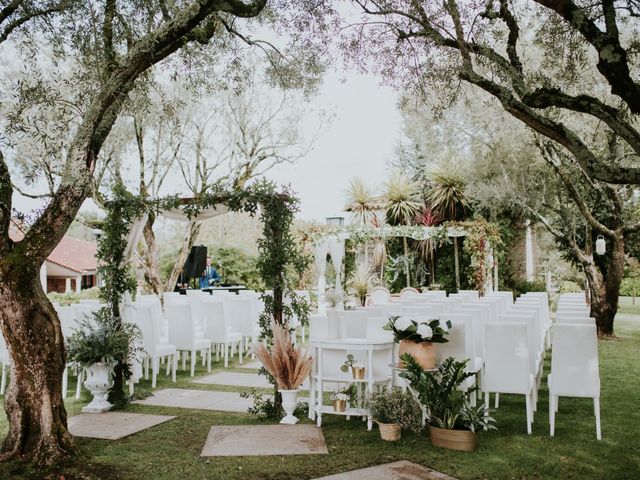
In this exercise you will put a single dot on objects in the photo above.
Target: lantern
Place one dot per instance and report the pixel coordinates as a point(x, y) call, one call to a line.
point(601, 246)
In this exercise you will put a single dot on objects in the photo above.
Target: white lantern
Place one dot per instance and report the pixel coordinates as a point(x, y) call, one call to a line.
point(601, 246)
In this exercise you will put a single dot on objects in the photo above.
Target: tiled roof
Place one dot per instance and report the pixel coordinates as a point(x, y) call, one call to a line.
point(72, 253)
point(75, 254)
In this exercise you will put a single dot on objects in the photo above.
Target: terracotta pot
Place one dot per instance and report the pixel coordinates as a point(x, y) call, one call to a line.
point(358, 373)
point(463, 440)
point(423, 352)
point(339, 405)
point(390, 432)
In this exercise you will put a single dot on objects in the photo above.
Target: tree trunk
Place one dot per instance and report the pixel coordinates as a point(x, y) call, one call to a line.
point(150, 264)
point(456, 259)
point(190, 237)
point(406, 260)
point(33, 401)
point(604, 288)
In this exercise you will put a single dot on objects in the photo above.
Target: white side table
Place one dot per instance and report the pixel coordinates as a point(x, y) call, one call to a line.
point(318, 377)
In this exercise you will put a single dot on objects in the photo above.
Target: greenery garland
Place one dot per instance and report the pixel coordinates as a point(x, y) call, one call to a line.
point(480, 234)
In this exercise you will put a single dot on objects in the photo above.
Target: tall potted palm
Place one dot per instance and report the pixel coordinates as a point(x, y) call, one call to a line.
point(447, 199)
point(402, 207)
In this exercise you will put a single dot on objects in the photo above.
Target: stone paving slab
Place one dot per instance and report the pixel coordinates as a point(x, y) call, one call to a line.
point(258, 440)
point(112, 425)
point(200, 400)
point(256, 364)
point(402, 470)
point(235, 379)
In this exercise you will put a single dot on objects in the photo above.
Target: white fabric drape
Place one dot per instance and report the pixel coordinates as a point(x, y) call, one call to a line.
point(336, 250)
point(137, 227)
point(320, 253)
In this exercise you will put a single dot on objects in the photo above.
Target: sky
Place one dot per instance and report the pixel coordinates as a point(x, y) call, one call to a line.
point(359, 141)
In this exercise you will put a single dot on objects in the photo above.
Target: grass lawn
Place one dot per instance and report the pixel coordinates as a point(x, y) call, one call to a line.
point(171, 450)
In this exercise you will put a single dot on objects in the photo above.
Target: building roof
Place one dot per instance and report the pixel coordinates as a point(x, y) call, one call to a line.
point(72, 253)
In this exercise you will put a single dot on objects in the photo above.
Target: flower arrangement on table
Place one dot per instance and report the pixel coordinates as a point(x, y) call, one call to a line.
point(417, 337)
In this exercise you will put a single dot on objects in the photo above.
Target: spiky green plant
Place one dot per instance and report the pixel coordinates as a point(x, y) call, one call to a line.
point(402, 206)
point(360, 282)
point(362, 203)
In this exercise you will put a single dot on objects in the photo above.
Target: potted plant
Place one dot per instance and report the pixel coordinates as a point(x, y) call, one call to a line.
point(358, 369)
point(417, 338)
point(289, 365)
point(340, 402)
point(97, 345)
point(452, 420)
point(394, 410)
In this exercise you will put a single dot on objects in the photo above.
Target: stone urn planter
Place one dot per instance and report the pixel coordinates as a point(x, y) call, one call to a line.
point(462, 440)
point(423, 352)
point(99, 381)
point(289, 402)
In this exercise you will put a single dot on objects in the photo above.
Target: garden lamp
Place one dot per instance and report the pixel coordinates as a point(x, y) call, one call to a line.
point(601, 246)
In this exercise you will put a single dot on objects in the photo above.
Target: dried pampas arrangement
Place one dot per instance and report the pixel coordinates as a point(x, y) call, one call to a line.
point(289, 365)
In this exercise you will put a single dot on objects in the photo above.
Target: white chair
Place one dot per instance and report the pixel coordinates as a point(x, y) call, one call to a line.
point(184, 334)
point(68, 324)
point(434, 294)
point(409, 292)
point(90, 301)
point(239, 312)
point(472, 293)
point(574, 369)
point(460, 347)
point(217, 329)
point(423, 312)
point(155, 346)
point(507, 363)
point(353, 324)
point(379, 296)
point(475, 349)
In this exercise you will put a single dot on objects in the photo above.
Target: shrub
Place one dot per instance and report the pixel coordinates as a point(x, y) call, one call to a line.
point(395, 406)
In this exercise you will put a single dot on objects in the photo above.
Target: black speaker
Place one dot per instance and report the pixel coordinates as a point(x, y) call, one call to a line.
point(196, 262)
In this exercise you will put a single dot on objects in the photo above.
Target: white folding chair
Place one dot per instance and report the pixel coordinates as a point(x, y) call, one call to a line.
point(459, 347)
point(240, 317)
point(507, 365)
point(574, 369)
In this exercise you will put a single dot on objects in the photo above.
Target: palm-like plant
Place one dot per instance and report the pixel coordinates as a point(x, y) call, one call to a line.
point(402, 206)
point(360, 282)
point(362, 203)
point(426, 248)
point(447, 199)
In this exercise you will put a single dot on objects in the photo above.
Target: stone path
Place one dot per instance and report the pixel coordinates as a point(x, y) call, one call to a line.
point(256, 364)
point(403, 470)
point(200, 400)
point(112, 425)
point(253, 440)
point(234, 379)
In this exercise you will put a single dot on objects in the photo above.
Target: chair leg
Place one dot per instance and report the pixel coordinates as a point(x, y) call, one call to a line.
point(131, 389)
point(65, 381)
point(240, 353)
point(497, 401)
point(146, 368)
point(552, 415)
point(193, 363)
point(168, 366)
point(184, 360)
point(174, 360)
point(209, 359)
point(226, 355)
point(154, 373)
point(217, 352)
point(528, 404)
point(596, 409)
point(556, 402)
point(79, 384)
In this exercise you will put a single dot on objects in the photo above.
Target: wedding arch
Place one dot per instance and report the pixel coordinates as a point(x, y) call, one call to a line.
point(278, 251)
point(481, 240)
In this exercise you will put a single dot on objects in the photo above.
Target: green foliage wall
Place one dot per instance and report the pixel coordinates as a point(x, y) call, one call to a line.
point(235, 266)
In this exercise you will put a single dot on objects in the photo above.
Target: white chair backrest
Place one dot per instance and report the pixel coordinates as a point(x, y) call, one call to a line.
point(409, 292)
point(214, 320)
point(392, 309)
point(68, 320)
point(434, 294)
point(506, 358)
point(532, 338)
point(318, 327)
point(478, 320)
point(379, 296)
point(424, 312)
point(472, 293)
point(182, 328)
point(574, 360)
point(239, 314)
point(83, 311)
point(353, 324)
point(458, 345)
point(139, 314)
point(375, 330)
point(581, 319)
point(90, 301)
point(470, 329)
